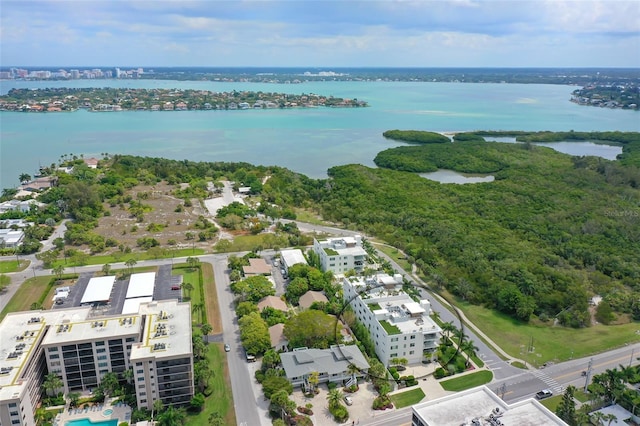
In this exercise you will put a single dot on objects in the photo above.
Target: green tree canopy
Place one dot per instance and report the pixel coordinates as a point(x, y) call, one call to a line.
point(311, 328)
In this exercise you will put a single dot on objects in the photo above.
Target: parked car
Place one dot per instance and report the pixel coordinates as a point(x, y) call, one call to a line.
point(175, 287)
point(348, 400)
point(545, 393)
point(251, 358)
point(227, 348)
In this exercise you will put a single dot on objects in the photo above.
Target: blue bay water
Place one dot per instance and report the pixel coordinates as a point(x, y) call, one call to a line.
point(304, 140)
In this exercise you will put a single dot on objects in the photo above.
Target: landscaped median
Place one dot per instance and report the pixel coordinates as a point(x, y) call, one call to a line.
point(467, 381)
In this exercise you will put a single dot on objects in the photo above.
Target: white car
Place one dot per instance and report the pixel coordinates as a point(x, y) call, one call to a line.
point(348, 400)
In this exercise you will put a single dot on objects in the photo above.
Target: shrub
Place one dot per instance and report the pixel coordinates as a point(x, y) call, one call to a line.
point(339, 412)
point(439, 373)
point(382, 403)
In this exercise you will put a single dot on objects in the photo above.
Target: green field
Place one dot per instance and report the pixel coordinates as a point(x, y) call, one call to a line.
point(395, 255)
point(405, 399)
point(29, 292)
point(550, 343)
point(137, 256)
point(220, 400)
point(13, 266)
point(552, 403)
point(467, 381)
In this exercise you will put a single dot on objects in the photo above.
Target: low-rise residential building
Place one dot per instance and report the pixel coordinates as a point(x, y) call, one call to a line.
point(399, 326)
point(278, 340)
point(479, 407)
point(272, 302)
point(340, 255)
point(256, 267)
point(10, 238)
point(81, 348)
point(332, 365)
point(311, 297)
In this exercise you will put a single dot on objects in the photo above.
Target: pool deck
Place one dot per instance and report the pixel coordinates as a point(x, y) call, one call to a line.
point(95, 413)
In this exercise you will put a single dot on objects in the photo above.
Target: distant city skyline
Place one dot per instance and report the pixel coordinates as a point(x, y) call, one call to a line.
point(323, 33)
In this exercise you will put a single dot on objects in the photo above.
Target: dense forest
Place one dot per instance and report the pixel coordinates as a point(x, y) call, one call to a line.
point(548, 233)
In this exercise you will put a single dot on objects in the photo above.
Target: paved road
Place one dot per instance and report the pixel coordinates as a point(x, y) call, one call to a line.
point(250, 407)
point(558, 376)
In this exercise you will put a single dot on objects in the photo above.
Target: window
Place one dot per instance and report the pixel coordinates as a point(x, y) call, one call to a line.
point(140, 379)
point(55, 349)
point(143, 401)
point(100, 350)
point(410, 352)
point(130, 339)
point(394, 355)
point(13, 404)
point(99, 343)
point(102, 364)
point(412, 345)
point(54, 356)
point(138, 364)
point(140, 371)
point(413, 337)
point(13, 413)
point(394, 339)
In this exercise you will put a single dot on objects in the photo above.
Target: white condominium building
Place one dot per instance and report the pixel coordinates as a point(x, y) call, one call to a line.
point(399, 326)
point(81, 348)
point(340, 255)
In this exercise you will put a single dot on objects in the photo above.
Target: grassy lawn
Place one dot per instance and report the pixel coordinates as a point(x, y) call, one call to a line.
point(407, 398)
point(550, 343)
point(394, 254)
point(13, 266)
point(137, 256)
point(29, 292)
point(467, 381)
point(552, 403)
point(221, 399)
point(192, 276)
point(518, 364)
point(581, 396)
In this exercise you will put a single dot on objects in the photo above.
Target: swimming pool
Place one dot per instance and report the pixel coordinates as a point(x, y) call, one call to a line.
point(87, 422)
point(107, 412)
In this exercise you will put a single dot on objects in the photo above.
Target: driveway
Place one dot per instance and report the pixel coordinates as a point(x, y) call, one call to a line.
point(358, 411)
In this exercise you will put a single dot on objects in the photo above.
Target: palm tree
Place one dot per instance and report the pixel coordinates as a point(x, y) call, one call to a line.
point(128, 375)
point(109, 383)
point(52, 382)
point(73, 398)
point(59, 270)
point(334, 397)
point(197, 307)
point(314, 379)
point(460, 336)
point(206, 329)
point(628, 373)
point(130, 264)
point(193, 262)
point(24, 177)
point(468, 347)
point(172, 417)
point(106, 269)
point(448, 328)
point(187, 287)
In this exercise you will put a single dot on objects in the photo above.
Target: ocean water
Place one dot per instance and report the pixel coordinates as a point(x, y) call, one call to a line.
point(308, 141)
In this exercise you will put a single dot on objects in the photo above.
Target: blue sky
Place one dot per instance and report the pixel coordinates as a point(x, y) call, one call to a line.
point(403, 33)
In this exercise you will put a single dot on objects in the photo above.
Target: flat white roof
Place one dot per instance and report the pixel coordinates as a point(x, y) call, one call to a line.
point(291, 257)
point(141, 285)
point(414, 308)
point(479, 403)
point(98, 289)
point(132, 306)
